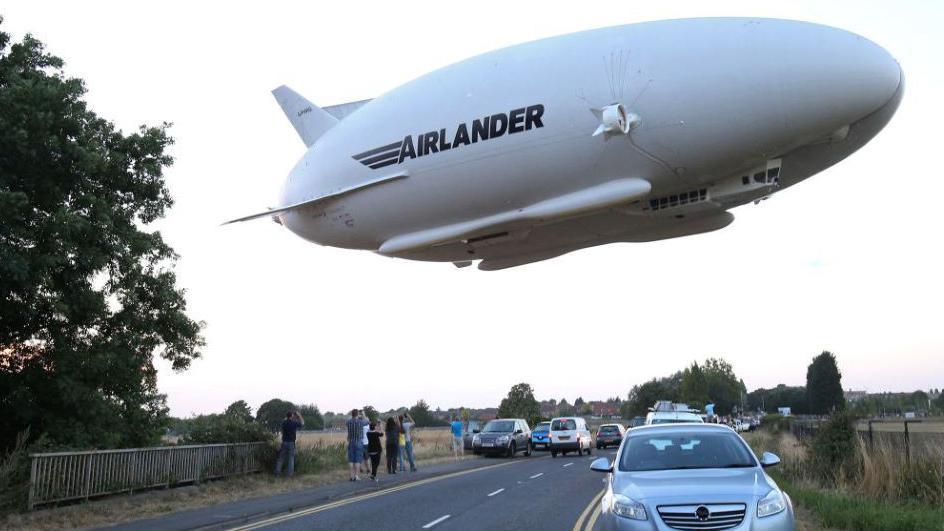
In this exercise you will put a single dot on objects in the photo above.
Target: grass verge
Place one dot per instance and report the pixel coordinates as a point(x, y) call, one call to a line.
point(840, 511)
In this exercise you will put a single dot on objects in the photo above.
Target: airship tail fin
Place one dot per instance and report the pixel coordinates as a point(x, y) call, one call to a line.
point(309, 120)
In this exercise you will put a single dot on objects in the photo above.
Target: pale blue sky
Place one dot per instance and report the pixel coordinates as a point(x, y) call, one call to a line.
point(849, 260)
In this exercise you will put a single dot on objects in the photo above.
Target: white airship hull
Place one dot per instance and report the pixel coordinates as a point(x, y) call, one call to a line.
point(623, 134)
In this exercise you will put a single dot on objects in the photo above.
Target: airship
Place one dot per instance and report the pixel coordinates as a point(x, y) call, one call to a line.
point(632, 133)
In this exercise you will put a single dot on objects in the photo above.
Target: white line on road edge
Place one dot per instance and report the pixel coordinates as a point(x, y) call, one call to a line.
point(496, 492)
point(539, 474)
point(567, 464)
point(436, 521)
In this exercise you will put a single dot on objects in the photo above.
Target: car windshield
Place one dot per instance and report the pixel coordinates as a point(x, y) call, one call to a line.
point(500, 426)
point(542, 426)
point(684, 450)
point(673, 421)
point(563, 424)
point(609, 429)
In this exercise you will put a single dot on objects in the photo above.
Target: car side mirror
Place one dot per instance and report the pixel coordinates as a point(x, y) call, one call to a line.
point(601, 465)
point(476, 431)
point(518, 432)
point(769, 459)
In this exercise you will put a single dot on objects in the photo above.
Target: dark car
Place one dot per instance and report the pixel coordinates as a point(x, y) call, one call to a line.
point(541, 436)
point(503, 436)
point(610, 435)
point(470, 429)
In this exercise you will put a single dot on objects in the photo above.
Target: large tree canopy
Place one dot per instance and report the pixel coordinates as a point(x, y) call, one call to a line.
point(520, 403)
point(87, 294)
point(824, 385)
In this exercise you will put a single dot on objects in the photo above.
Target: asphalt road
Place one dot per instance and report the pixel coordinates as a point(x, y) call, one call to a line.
point(520, 493)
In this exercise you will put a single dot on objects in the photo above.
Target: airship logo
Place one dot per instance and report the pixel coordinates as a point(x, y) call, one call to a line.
point(486, 128)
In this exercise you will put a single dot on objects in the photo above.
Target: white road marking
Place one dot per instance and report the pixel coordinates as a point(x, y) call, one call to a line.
point(567, 464)
point(436, 521)
point(496, 492)
point(539, 474)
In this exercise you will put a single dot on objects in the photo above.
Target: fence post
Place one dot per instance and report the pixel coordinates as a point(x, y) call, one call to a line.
point(88, 475)
point(871, 442)
point(199, 464)
point(167, 453)
point(32, 485)
point(907, 444)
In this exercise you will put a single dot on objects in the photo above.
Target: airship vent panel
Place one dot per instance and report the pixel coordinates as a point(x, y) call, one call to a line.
point(676, 200)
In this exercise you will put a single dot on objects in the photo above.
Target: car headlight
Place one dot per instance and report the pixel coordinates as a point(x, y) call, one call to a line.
point(628, 508)
point(475, 439)
point(771, 504)
point(503, 439)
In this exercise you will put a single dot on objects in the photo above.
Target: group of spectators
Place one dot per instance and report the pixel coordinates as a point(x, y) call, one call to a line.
point(364, 443)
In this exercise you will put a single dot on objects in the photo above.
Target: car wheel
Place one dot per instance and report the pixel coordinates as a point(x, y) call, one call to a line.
point(528, 450)
point(588, 451)
point(511, 450)
point(553, 453)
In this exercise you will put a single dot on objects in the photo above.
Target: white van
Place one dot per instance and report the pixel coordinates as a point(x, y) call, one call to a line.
point(569, 434)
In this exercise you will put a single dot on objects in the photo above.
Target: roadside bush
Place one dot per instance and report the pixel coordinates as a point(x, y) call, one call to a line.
point(213, 429)
point(775, 423)
point(14, 475)
point(834, 450)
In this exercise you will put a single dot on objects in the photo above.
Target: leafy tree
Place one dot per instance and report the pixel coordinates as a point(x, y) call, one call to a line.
point(724, 388)
point(694, 387)
point(642, 396)
point(88, 293)
point(312, 416)
point(520, 403)
point(371, 413)
point(824, 385)
point(579, 402)
point(225, 428)
point(241, 410)
point(586, 408)
point(769, 400)
point(564, 409)
point(272, 413)
point(421, 414)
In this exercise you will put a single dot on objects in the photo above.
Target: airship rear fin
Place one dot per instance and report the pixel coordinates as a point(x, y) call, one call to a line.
point(342, 110)
point(309, 120)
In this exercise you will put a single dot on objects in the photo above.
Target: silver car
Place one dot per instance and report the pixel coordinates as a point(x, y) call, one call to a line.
point(691, 476)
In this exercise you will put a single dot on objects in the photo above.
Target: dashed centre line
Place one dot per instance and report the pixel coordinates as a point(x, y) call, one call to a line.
point(539, 474)
point(496, 492)
point(566, 465)
point(436, 521)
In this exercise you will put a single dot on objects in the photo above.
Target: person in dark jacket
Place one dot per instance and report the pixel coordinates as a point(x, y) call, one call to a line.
point(374, 448)
point(290, 426)
point(393, 445)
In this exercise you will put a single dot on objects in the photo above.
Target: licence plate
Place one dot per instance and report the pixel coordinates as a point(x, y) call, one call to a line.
point(488, 445)
point(564, 437)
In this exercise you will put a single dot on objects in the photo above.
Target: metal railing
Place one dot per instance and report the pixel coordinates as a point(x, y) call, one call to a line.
point(62, 476)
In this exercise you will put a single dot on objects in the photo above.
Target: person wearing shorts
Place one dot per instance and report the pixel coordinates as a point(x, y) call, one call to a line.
point(355, 449)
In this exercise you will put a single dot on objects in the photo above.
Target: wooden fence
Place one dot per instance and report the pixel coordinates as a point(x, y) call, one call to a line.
point(65, 476)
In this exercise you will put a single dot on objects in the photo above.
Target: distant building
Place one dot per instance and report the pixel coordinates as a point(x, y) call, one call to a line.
point(605, 409)
point(854, 396)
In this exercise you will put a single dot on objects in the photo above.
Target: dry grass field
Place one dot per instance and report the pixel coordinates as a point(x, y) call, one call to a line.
point(427, 442)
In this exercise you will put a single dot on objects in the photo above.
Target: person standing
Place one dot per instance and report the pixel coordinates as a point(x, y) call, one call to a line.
point(355, 450)
point(374, 448)
point(457, 447)
point(393, 443)
point(366, 428)
point(401, 457)
point(290, 426)
point(408, 424)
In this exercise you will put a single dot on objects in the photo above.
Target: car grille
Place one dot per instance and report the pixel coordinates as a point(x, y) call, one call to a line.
point(712, 516)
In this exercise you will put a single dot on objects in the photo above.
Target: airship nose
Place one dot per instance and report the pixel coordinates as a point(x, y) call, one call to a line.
point(837, 79)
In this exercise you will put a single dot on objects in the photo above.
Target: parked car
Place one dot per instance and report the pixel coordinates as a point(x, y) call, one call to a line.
point(691, 476)
point(541, 436)
point(471, 428)
point(610, 435)
point(503, 436)
point(672, 417)
point(569, 434)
